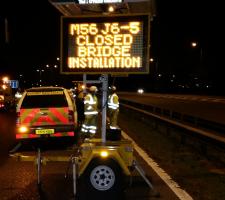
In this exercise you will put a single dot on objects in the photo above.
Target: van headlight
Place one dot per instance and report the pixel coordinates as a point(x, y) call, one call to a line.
point(23, 129)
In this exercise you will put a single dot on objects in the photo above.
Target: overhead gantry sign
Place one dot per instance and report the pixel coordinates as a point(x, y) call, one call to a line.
point(112, 44)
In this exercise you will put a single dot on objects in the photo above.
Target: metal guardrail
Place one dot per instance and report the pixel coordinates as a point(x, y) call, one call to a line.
point(202, 127)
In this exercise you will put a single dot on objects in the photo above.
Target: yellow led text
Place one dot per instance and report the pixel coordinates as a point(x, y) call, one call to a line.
point(105, 45)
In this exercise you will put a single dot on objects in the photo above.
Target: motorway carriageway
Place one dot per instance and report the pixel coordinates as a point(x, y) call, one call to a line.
point(18, 179)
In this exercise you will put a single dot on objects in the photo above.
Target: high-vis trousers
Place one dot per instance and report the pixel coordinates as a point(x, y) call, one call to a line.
point(89, 126)
point(113, 116)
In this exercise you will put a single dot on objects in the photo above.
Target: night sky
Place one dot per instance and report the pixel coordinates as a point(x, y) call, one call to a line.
point(34, 41)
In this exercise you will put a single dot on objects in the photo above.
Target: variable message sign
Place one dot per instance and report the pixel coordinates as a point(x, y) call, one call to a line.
point(113, 44)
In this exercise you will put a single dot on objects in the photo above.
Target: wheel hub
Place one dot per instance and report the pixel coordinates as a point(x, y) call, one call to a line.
point(102, 178)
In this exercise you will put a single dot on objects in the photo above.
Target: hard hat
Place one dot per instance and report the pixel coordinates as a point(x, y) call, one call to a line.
point(93, 89)
point(113, 88)
point(81, 87)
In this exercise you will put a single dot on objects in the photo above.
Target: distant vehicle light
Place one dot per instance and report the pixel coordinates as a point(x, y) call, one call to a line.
point(111, 9)
point(4, 87)
point(18, 95)
point(5, 79)
point(140, 91)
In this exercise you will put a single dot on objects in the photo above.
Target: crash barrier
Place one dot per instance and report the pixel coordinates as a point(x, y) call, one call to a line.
point(210, 143)
point(204, 127)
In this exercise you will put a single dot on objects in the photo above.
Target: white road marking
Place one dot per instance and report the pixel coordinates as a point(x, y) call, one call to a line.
point(180, 193)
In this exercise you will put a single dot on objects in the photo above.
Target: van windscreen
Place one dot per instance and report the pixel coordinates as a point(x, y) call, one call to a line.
point(44, 101)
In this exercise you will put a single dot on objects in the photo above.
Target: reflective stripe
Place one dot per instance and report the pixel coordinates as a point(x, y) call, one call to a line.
point(59, 114)
point(89, 107)
point(92, 131)
point(62, 134)
point(113, 127)
point(53, 116)
point(84, 130)
point(44, 93)
point(90, 127)
point(27, 115)
point(91, 101)
point(21, 136)
point(39, 120)
point(27, 135)
point(113, 107)
point(70, 133)
point(93, 127)
point(90, 112)
point(111, 104)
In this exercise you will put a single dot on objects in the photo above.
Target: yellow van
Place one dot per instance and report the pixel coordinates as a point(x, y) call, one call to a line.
point(46, 112)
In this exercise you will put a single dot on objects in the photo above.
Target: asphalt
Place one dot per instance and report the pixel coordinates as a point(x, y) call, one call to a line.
point(18, 180)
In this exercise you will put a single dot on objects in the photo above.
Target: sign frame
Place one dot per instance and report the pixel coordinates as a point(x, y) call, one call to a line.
point(65, 21)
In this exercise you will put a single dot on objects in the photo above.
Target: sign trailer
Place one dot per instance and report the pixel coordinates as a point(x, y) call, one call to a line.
point(101, 45)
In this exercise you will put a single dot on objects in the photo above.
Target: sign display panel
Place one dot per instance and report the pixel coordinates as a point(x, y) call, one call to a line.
point(115, 44)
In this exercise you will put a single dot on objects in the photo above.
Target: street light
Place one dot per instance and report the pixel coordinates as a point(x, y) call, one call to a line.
point(51, 70)
point(5, 79)
point(111, 9)
point(4, 87)
point(152, 60)
point(40, 72)
point(200, 71)
point(195, 45)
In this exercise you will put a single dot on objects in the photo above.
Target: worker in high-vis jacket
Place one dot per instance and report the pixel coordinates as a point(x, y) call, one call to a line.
point(113, 107)
point(89, 126)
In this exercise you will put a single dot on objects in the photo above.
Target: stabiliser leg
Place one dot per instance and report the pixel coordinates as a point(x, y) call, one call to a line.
point(68, 166)
point(39, 163)
point(74, 165)
point(143, 175)
point(73, 161)
point(16, 148)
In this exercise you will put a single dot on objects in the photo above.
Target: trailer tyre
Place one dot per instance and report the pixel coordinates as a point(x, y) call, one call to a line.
point(104, 177)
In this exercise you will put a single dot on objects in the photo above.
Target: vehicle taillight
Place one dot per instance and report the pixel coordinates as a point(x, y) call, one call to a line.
point(18, 118)
point(71, 116)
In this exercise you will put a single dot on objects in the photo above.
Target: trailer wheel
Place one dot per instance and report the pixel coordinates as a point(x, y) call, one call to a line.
point(104, 176)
